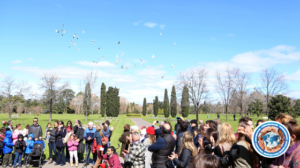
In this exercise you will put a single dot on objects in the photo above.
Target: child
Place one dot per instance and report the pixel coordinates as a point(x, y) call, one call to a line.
point(39, 141)
point(29, 146)
point(7, 149)
point(104, 145)
point(72, 146)
point(19, 150)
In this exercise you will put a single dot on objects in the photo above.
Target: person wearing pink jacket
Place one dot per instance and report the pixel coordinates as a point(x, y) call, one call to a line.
point(16, 133)
point(72, 146)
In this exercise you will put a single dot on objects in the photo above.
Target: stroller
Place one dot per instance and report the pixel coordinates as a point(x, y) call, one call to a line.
point(35, 156)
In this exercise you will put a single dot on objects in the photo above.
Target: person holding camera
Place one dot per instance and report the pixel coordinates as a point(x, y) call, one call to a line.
point(60, 134)
point(158, 131)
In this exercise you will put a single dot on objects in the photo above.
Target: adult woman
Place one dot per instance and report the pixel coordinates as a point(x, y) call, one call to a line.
point(123, 139)
point(291, 157)
point(69, 129)
point(225, 141)
point(60, 133)
point(259, 122)
point(51, 144)
point(283, 118)
point(47, 130)
point(211, 139)
point(186, 152)
point(16, 133)
point(147, 142)
point(25, 132)
point(198, 135)
point(79, 134)
point(97, 145)
point(205, 161)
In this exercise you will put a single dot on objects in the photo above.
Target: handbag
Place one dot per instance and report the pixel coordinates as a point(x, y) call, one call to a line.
point(80, 148)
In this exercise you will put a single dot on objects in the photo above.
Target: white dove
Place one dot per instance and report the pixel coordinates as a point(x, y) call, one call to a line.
point(148, 66)
point(99, 48)
point(78, 49)
point(93, 41)
point(160, 33)
point(102, 57)
point(56, 30)
point(122, 53)
point(83, 31)
point(74, 44)
point(172, 66)
point(77, 37)
point(153, 56)
point(69, 46)
point(63, 25)
point(117, 57)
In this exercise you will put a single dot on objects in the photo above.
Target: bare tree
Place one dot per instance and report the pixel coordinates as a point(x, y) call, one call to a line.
point(91, 78)
point(241, 80)
point(123, 105)
point(20, 109)
point(224, 87)
point(51, 83)
point(10, 87)
point(77, 104)
point(196, 80)
point(272, 83)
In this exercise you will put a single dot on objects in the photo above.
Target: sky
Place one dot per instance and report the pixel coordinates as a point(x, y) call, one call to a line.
point(250, 35)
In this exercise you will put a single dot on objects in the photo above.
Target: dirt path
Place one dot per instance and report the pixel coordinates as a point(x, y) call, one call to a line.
point(140, 122)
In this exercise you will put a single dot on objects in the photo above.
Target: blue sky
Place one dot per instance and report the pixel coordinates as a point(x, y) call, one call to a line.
point(251, 35)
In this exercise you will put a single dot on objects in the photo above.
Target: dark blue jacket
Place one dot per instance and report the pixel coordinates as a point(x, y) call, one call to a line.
point(98, 138)
point(89, 133)
point(178, 142)
point(7, 142)
point(59, 137)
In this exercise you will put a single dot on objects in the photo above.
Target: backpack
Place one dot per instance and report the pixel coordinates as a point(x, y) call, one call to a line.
point(37, 150)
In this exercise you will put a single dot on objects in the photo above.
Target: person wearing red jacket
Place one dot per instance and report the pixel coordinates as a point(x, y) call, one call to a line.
point(112, 158)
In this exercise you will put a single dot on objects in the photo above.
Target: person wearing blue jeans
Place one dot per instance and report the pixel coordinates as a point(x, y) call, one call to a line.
point(19, 150)
point(60, 133)
point(89, 135)
point(51, 144)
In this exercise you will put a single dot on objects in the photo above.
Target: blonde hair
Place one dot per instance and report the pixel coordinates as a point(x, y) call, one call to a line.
point(188, 143)
point(283, 118)
point(226, 134)
point(99, 128)
point(69, 139)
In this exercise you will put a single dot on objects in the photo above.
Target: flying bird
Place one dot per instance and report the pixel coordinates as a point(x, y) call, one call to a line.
point(99, 48)
point(160, 33)
point(117, 57)
point(122, 53)
point(83, 31)
point(93, 41)
point(153, 56)
point(77, 37)
point(69, 46)
point(148, 66)
point(63, 25)
point(119, 42)
point(174, 43)
point(62, 34)
point(56, 30)
point(74, 35)
point(64, 31)
point(71, 41)
point(162, 76)
point(102, 57)
point(134, 65)
point(78, 49)
point(74, 44)
point(141, 60)
point(172, 66)
point(127, 67)
point(122, 67)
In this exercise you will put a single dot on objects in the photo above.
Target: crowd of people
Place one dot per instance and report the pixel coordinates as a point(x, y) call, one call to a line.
point(190, 144)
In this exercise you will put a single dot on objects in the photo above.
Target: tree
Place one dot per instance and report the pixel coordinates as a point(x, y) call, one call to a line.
point(256, 107)
point(166, 104)
point(185, 103)
point(113, 102)
point(279, 104)
point(50, 82)
point(77, 103)
point(127, 109)
point(87, 100)
point(196, 82)
point(123, 105)
point(65, 98)
point(241, 81)
point(224, 87)
point(103, 99)
point(297, 107)
point(272, 83)
point(155, 106)
point(173, 102)
point(10, 87)
point(145, 107)
point(205, 108)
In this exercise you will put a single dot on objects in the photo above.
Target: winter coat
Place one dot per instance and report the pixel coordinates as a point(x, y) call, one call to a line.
point(79, 134)
point(184, 159)
point(48, 129)
point(20, 145)
point(29, 144)
point(71, 146)
point(89, 133)
point(98, 136)
point(75, 128)
point(36, 130)
point(124, 142)
point(178, 142)
point(2, 137)
point(7, 142)
point(52, 135)
point(59, 137)
point(16, 135)
point(113, 160)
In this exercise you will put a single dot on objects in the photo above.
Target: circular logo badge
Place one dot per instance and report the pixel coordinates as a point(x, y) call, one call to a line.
point(271, 139)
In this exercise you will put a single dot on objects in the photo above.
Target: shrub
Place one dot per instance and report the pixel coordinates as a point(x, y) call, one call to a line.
point(133, 114)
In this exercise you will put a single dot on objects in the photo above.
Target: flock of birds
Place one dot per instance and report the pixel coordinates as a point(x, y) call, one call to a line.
point(96, 62)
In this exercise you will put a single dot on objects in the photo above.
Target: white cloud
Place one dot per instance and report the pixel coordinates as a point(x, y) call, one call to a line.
point(16, 62)
point(30, 59)
point(150, 24)
point(136, 23)
point(103, 64)
point(162, 26)
point(294, 77)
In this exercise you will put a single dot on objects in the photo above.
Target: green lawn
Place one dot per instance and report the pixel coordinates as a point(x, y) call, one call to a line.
point(25, 119)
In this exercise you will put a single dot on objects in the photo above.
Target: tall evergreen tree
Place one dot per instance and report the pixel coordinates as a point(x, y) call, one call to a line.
point(87, 100)
point(279, 104)
point(116, 105)
point(173, 102)
point(103, 99)
point(166, 104)
point(109, 101)
point(145, 107)
point(156, 106)
point(185, 102)
point(127, 110)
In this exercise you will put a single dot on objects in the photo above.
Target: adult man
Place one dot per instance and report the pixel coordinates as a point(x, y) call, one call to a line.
point(158, 131)
point(218, 116)
point(9, 125)
point(136, 155)
point(89, 134)
point(234, 117)
point(36, 129)
point(194, 125)
point(112, 158)
point(183, 128)
point(163, 148)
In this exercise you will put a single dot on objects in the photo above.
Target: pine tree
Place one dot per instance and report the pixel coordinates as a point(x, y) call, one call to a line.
point(103, 99)
point(144, 107)
point(173, 102)
point(127, 110)
point(256, 107)
point(116, 104)
point(185, 103)
point(279, 104)
point(87, 100)
point(109, 101)
point(156, 106)
point(166, 104)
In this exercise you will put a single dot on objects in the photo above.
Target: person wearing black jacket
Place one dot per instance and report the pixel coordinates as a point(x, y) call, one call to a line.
point(194, 125)
point(19, 150)
point(183, 128)
point(79, 134)
point(60, 133)
point(51, 144)
point(186, 152)
point(36, 129)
